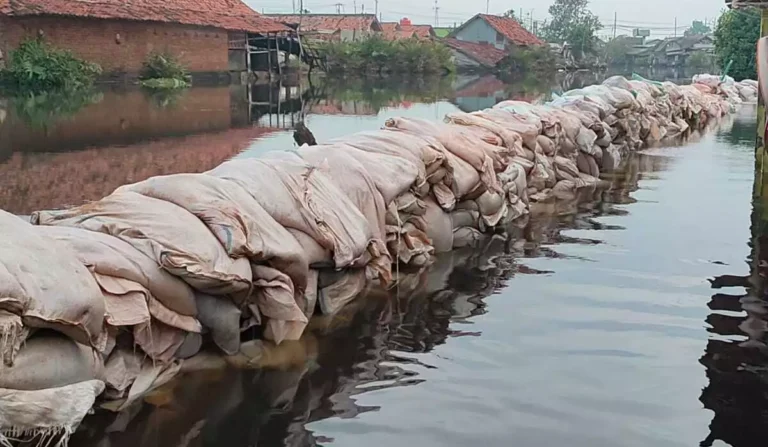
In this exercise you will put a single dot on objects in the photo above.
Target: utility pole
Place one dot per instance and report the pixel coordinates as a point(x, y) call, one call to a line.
point(354, 5)
point(301, 7)
point(362, 10)
point(437, 17)
point(376, 7)
point(294, 6)
point(338, 8)
point(487, 6)
point(675, 26)
point(615, 21)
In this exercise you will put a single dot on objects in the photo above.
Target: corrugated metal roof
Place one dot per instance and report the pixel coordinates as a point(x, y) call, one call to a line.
point(329, 22)
point(225, 14)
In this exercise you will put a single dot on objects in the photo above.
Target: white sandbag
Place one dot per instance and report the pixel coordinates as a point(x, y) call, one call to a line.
point(237, 220)
point(345, 288)
point(42, 282)
point(51, 360)
point(439, 227)
point(301, 197)
point(286, 319)
point(513, 141)
point(46, 414)
point(392, 175)
point(111, 256)
point(169, 234)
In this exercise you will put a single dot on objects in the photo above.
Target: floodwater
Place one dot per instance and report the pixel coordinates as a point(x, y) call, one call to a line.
point(592, 324)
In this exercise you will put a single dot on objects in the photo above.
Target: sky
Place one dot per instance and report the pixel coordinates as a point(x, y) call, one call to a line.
point(657, 15)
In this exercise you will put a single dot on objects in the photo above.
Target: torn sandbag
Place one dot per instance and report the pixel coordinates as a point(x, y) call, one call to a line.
point(169, 234)
point(52, 413)
point(42, 282)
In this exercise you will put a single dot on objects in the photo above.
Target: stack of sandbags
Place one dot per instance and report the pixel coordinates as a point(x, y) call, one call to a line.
point(51, 329)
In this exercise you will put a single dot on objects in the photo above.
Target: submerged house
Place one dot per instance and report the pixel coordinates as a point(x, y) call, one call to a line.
point(404, 29)
point(331, 27)
point(503, 33)
point(208, 37)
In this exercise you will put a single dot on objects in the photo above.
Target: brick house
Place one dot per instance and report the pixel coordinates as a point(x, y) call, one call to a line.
point(500, 32)
point(119, 35)
point(404, 29)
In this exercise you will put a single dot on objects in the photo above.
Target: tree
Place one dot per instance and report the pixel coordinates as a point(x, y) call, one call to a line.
point(616, 49)
point(736, 34)
point(511, 15)
point(573, 23)
point(698, 28)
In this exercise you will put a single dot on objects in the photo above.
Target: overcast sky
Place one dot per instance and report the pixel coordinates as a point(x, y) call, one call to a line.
point(657, 15)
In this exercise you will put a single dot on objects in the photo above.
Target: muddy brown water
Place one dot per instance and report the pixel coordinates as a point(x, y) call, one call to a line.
point(591, 324)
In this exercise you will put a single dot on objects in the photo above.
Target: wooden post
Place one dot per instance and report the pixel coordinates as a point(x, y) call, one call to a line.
point(269, 57)
point(277, 56)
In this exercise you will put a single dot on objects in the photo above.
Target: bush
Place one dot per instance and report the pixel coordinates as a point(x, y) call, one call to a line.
point(376, 55)
point(700, 59)
point(735, 36)
point(164, 66)
point(36, 66)
point(538, 60)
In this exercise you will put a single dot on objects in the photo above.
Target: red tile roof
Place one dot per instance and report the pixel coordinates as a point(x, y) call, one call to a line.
point(397, 34)
point(330, 22)
point(483, 53)
point(512, 30)
point(225, 14)
point(385, 26)
point(421, 31)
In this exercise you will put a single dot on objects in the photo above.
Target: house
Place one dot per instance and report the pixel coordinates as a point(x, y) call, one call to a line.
point(501, 32)
point(392, 31)
point(670, 52)
point(331, 27)
point(119, 35)
point(420, 31)
point(471, 56)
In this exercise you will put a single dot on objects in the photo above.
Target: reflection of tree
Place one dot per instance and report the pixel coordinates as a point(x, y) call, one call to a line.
point(42, 109)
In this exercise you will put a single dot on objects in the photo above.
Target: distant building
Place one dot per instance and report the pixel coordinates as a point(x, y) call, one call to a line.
point(404, 29)
point(670, 52)
point(331, 27)
point(119, 34)
point(501, 32)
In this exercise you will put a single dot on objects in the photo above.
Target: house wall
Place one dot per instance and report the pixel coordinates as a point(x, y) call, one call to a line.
point(479, 31)
point(462, 62)
point(120, 45)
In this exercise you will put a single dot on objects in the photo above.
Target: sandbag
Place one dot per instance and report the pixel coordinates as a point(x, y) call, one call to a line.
point(42, 282)
point(111, 256)
point(439, 227)
point(513, 141)
point(286, 318)
point(158, 340)
point(169, 234)
point(342, 291)
point(46, 414)
point(51, 360)
point(239, 222)
point(222, 318)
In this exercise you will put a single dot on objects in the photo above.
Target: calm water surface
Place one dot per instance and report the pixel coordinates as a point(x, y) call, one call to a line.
point(589, 325)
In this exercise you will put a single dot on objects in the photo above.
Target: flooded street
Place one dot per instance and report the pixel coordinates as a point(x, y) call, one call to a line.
point(591, 324)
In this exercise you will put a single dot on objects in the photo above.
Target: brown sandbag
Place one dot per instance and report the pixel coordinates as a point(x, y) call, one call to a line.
point(222, 318)
point(547, 145)
point(51, 360)
point(439, 227)
point(513, 141)
point(42, 282)
point(169, 234)
point(239, 222)
point(111, 256)
point(285, 317)
point(345, 287)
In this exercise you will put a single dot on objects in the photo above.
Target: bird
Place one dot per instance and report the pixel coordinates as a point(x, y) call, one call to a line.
point(302, 135)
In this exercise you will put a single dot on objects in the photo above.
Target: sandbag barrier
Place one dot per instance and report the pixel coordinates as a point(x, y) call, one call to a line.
point(107, 300)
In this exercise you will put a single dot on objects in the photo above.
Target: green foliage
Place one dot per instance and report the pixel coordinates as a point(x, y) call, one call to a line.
point(385, 92)
point(161, 69)
point(700, 59)
point(573, 23)
point(538, 60)
point(376, 55)
point(164, 83)
point(36, 67)
point(735, 36)
point(616, 50)
point(43, 108)
point(698, 28)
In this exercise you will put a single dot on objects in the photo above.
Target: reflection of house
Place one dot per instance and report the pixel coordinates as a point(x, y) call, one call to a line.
point(502, 32)
point(119, 35)
point(332, 27)
point(469, 56)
